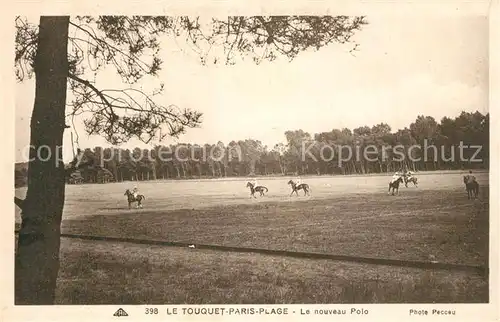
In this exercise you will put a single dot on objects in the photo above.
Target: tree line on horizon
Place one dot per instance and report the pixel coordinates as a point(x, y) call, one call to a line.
point(256, 159)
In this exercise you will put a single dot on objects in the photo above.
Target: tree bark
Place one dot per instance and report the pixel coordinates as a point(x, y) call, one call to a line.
point(155, 175)
point(37, 257)
point(115, 172)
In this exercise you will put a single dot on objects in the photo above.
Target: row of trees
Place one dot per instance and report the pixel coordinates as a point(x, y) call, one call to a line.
point(303, 153)
point(318, 154)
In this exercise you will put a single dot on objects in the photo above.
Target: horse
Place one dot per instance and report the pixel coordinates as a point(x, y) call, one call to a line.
point(413, 180)
point(395, 185)
point(471, 187)
point(131, 199)
point(296, 188)
point(253, 189)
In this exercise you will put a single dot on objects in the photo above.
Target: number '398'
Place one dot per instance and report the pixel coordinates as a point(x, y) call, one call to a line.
point(151, 310)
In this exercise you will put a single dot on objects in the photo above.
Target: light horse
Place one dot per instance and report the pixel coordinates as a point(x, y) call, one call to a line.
point(131, 199)
point(471, 187)
point(412, 179)
point(296, 188)
point(395, 185)
point(253, 189)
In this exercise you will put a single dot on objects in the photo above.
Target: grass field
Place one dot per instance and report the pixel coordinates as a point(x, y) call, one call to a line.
point(351, 215)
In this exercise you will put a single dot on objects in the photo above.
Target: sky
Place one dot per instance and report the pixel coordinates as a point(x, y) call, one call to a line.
point(405, 66)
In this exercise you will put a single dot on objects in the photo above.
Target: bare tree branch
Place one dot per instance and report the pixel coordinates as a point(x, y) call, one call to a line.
point(124, 42)
point(88, 84)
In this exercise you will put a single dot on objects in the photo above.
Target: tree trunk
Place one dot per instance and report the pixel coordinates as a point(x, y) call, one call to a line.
point(154, 172)
point(219, 169)
point(115, 172)
point(362, 166)
point(211, 166)
point(37, 257)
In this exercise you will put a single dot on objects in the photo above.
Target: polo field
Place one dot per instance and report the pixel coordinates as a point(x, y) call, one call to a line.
point(352, 216)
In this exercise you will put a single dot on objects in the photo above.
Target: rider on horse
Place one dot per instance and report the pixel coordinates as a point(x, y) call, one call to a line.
point(135, 192)
point(470, 178)
point(395, 177)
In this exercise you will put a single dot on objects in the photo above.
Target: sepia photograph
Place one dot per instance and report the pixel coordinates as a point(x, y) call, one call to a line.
point(251, 160)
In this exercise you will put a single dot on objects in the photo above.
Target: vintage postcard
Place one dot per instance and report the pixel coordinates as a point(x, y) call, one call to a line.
point(209, 161)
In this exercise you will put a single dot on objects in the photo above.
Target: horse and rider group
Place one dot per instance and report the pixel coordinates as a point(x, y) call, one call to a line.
point(296, 186)
point(471, 186)
point(400, 177)
point(406, 177)
point(397, 178)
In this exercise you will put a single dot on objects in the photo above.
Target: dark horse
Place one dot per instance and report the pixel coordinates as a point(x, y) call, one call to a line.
point(395, 185)
point(471, 186)
point(296, 188)
point(132, 199)
point(256, 189)
point(413, 180)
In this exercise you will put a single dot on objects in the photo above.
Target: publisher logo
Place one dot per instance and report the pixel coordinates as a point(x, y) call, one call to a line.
point(120, 312)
